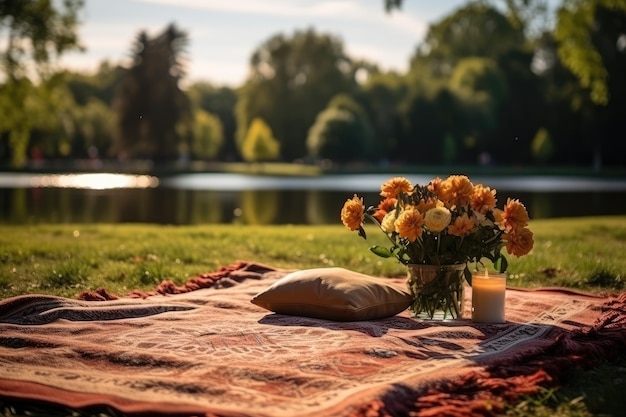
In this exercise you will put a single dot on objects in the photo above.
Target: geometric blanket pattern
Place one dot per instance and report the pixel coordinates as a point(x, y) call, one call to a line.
point(204, 349)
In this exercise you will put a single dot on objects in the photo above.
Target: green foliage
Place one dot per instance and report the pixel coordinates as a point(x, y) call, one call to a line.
point(380, 97)
point(474, 30)
point(219, 101)
point(99, 85)
point(334, 135)
point(292, 80)
point(37, 30)
point(483, 82)
point(482, 87)
point(154, 114)
point(260, 144)
point(42, 120)
point(95, 126)
point(342, 132)
point(542, 146)
point(208, 135)
point(427, 119)
point(577, 25)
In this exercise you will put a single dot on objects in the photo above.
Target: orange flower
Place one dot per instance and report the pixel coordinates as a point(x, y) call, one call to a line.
point(459, 190)
point(353, 213)
point(424, 206)
point(444, 192)
point(498, 215)
point(515, 215)
point(384, 207)
point(395, 186)
point(462, 226)
point(483, 199)
point(519, 241)
point(409, 224)
point(434, 185)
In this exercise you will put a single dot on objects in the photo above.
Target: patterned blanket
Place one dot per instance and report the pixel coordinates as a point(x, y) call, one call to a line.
point(204, 349)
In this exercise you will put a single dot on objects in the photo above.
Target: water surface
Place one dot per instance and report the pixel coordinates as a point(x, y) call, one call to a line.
point(228, 198)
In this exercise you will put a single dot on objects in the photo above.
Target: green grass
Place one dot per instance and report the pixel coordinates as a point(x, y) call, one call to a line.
point(581, 253)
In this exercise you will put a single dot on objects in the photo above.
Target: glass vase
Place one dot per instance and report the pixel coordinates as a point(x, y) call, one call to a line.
point(438, 291)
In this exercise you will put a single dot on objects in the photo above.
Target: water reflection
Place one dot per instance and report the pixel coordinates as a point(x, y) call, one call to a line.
point(102, 198)
point(96, 181)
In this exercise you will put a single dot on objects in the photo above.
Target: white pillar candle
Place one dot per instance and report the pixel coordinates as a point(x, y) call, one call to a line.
point(488, 291)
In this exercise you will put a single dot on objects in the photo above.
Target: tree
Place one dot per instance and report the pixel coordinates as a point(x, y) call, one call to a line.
point(341, 132)
point(292, 79)
point(542, 146)
point(482, 88)
point(259, 143)
point(431, 121)
point(475, 30)
point(36, 32)
point(591, 43)
point(94, 127)
point(208, 135)
point(154, 114)
point(99, 85)
point(219, 101)
point(380, 96)
point(44, 121)
point(581, 34)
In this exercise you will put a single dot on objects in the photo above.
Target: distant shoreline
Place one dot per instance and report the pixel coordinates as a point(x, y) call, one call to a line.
point(140, 167)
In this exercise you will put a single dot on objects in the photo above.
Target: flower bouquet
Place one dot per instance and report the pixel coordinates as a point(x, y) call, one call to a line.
point(441, 224)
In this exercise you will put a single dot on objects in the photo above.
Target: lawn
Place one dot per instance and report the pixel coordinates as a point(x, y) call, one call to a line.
point(582, 253)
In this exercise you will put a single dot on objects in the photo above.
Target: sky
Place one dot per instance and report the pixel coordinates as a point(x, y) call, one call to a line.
point(224, 33)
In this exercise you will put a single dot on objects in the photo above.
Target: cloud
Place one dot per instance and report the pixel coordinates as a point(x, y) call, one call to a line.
point(385, 59)
point(348, 10)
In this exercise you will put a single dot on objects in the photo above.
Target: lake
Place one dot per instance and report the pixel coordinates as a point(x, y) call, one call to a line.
point(209, 198)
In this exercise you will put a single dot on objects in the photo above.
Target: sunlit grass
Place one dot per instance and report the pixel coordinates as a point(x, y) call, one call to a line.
point(581, 253)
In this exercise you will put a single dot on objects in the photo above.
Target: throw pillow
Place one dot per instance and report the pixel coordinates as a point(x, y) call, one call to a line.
point(333, 294)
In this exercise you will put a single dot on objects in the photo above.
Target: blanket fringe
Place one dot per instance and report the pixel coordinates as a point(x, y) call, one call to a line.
point(225, 276)
point(486, 393)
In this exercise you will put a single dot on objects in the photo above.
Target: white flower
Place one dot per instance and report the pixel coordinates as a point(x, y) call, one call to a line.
point(388, 223)
point(436, 219)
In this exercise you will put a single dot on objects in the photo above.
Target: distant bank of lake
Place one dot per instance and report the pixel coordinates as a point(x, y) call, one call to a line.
point(204, 198)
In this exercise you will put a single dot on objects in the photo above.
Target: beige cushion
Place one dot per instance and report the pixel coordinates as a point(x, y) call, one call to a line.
point(333, 294)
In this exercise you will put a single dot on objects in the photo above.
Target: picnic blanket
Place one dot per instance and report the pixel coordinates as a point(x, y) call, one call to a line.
point(204, 349)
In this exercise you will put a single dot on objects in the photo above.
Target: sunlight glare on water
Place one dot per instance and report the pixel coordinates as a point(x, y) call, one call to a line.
point(101, 181)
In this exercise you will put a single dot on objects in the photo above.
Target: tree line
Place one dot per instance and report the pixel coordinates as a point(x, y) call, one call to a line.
point(488, 85)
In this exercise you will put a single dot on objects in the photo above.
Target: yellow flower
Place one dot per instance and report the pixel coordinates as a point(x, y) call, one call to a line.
point(409, 224)
point(462, 226)
point(519, 241)
point(395, 186)
point(353, 213)
point(483, 199)
point(437, 219)
point(515, 215)
point(388, 223)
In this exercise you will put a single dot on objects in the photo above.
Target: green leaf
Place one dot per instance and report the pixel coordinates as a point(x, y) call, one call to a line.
point(381, 251)
point(503, 264)
point(362, 232)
